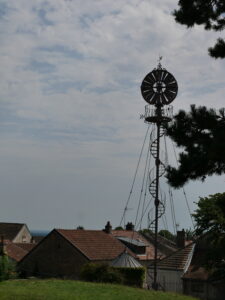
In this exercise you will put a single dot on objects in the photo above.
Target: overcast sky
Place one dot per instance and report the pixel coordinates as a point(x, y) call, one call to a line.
point(70, 104)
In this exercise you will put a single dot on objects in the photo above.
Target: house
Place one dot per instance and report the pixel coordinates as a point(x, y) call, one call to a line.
point(200, 282)
point(63, 252)
point(165, 245)
point(171, 268)
point(135, 241)
point(15, 232)
point(14, 251)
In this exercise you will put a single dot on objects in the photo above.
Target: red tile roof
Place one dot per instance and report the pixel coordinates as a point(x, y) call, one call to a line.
point(17, 251)
point(94, 244)
point(10, 230)
point(26, 246)
point(14, 252)
point(136, 236)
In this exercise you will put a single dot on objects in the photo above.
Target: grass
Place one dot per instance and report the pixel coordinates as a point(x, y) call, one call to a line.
point(77, 290)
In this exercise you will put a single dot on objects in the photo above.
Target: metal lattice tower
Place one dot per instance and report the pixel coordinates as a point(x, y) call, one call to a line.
point(159, 88)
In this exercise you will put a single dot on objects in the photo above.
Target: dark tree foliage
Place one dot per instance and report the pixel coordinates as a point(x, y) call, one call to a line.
point(119, 228)
point(210, 221)
point(201, 134)
point(190, 234)
point(210, 214)
point(209, 13)
point(167, 234)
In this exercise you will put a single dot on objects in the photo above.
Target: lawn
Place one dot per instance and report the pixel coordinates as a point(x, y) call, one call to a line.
point(76, 290)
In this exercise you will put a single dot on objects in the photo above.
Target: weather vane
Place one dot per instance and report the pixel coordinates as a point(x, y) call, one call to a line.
point(159, 61)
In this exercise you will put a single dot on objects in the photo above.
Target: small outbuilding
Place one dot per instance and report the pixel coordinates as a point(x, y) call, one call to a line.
point(125, 260)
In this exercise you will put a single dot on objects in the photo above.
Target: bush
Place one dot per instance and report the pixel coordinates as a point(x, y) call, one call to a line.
point(105, 273)
point(100, 273)
point(133, 276)
point(7, 268)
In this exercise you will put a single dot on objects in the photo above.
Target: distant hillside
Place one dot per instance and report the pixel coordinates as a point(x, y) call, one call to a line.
point(39, 232)
point(76, 290)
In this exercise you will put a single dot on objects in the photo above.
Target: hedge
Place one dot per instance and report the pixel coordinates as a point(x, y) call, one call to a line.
point(133, 276)
point(105, 273)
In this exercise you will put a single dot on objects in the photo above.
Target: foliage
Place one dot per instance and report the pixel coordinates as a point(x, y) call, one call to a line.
point(133, 276)
point(100, 273)
point(200, 133)
point(80, 227)
point(119, 228)
point(209, 13)
point(146, 231)
point(167, 234)
point(105, 273)
point(190, 234)
point(7, 268)
point(73, 290)
point(210, 220)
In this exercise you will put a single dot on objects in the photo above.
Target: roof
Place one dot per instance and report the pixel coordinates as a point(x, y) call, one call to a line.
point(17, 251)
point(125, 260)
point(164, 245)
point(134, 235)
point(26, 246)
point(131, 241)
point(94, 244)
point(14, 252)
point(178, 260)
point(140, 240)
point(10, 230)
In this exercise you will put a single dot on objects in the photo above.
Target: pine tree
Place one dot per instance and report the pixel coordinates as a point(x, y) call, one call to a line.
point(209, 13)
point(200, 133)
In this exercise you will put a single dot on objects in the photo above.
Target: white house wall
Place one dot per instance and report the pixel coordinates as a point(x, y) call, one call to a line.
point(23, 236)
point(170, 280)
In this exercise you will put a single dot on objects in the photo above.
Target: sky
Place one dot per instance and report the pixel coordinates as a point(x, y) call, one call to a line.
point(70, 105)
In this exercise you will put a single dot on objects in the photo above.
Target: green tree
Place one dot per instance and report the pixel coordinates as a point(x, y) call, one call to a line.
point(190, 234)
point(80, 227)
point(167, 234)
point(118, 228)
point(209, 13)
point(200, 133)
point(7, 268)
point(210, 221)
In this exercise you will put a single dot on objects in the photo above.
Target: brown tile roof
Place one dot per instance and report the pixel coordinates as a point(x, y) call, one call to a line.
point(177, 260)
point(163, 242)
point(26, 246)
point(10, 230)
point(14, 252)
point(94, 244)
point(17, 251)
point(136, 236)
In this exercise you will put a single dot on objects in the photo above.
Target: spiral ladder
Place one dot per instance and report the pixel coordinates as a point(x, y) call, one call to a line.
point(153, 182)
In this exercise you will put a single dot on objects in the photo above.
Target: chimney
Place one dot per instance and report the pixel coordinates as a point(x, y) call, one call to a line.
point(108, 228)
point(130, 226)
point(181, 239)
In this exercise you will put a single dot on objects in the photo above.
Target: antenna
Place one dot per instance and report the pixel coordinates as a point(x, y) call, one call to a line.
point(159, 88)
